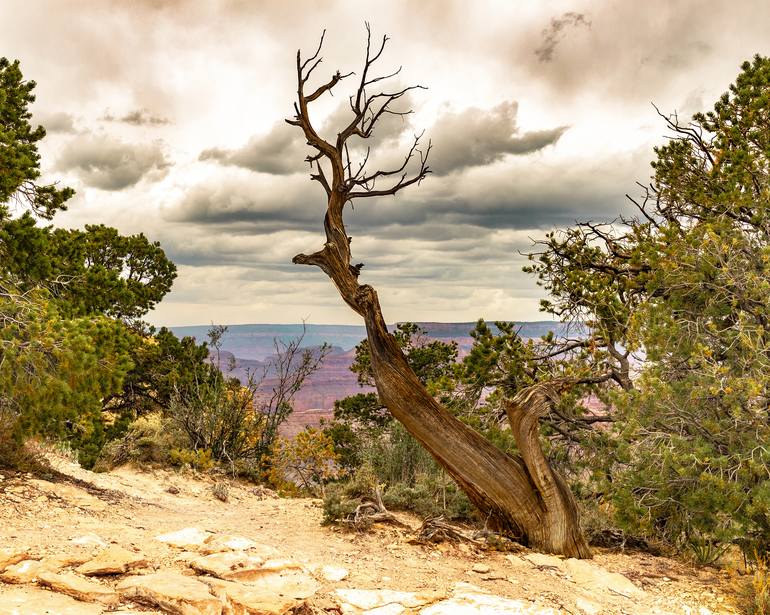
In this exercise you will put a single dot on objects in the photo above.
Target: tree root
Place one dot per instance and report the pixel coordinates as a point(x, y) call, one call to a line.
point(436, 529)
point(372, 511)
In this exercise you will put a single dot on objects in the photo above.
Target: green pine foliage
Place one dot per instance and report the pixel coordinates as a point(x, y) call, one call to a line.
point(685, 287)
point(19, 158)
point(75, 361)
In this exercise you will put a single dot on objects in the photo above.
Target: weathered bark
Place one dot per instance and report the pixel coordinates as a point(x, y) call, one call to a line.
point(519, 495)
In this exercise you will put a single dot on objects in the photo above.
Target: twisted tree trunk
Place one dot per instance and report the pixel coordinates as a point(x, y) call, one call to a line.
point(521, 496)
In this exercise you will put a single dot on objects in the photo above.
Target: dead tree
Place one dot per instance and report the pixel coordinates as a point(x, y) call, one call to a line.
point(521, 496)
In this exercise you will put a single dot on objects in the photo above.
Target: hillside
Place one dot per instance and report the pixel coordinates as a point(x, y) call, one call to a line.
point(131, 541)
point(252, 345)
point(255, 341)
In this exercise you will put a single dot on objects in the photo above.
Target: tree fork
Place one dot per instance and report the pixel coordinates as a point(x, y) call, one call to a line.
point(521, 495)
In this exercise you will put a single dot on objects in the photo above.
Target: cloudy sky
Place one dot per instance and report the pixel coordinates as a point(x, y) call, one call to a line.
point(167, 118)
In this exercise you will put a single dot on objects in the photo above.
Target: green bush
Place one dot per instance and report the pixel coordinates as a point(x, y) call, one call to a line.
point(149, 439)
point(336, 505)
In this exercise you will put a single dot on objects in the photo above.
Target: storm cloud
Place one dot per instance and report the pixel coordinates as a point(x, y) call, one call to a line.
point(108, 163)
point(539, 115)
point(137, 117)
point(557, 30)
point(281, 151)
point(476, 137)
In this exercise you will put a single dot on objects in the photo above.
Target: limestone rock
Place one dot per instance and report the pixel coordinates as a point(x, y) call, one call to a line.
point(334, 573)
point(229, 565)
point(480, 568)
point(542, 560)
point(273, 594)
point(593, 577)
point(66, 560)
point(470, 600)
point(77, 587)
point(113, 560)
point(172, 592)
point(187, 538)
point(368, 599)
point(223, 542)
point(9, 557)
point(26, 571)
point(240, 566)
point(89, 540)
point(588, 607)
point(28, 601)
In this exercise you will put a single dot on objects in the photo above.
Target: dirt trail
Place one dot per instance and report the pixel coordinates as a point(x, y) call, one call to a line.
point(130, 507)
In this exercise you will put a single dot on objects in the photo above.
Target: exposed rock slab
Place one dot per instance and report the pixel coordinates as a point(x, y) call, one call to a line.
point(593, 577)
point(188, 538)
point(274, 594)
point(29, 601)
point(485, 604)
point(113, 560)
point(24, 572)
point(89, 540)
point(229, 565)
point(172, 592)
point(240, 566)
point(66, 560)
point(334, 573)
point(9, 557)
point(223, 542)
point(369, 599)
point(542, 560)
point(468, 599)
point(79, 588)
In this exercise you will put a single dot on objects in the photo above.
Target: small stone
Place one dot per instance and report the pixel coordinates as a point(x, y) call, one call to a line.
point(172, 592)
point(113, 560)
point(480, 568)
point(173, 490)
point(77, 587)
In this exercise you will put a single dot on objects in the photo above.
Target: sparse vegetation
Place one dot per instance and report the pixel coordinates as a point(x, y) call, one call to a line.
point(651, 419)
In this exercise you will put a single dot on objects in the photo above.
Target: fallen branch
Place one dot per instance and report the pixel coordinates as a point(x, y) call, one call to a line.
point(435, 529)
point(372, 511)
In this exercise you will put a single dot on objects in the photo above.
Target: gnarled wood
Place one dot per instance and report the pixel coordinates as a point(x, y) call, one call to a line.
point(521, 496)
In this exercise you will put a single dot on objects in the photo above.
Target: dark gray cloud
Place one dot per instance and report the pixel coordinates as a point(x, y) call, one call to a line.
point(250, 205)
point(57, 122)
point(110, 164)
point(556, 31)
point(476, 137)
point(137, 117)
point(281, 151)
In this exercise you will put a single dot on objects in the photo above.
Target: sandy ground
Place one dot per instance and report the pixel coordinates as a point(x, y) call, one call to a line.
point(130, 507)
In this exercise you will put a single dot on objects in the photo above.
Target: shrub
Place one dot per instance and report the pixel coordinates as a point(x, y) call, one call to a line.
point(754, 595)
point(149, 439)
point(308, 460)
point(200, 460)
point(221, 491)
point(336, 505)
